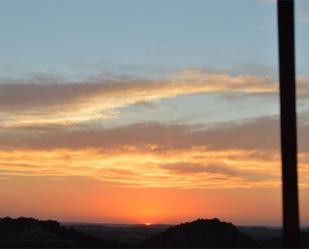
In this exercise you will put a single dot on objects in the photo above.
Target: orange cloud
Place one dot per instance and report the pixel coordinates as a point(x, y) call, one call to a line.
point(193, 168)
point(154, 155)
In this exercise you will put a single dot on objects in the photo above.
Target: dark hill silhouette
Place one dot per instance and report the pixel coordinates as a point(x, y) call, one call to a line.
point(202, 233)
point(32, 233)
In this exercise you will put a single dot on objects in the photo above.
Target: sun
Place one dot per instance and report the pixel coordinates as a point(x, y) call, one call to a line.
point(147, 223)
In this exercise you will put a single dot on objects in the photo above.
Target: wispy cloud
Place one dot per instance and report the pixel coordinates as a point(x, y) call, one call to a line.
point(42, 135)
point(268, 1)
point(155, 155)
point(40, 101)
point(303, 18)
point(138, 168)
point(261, 133)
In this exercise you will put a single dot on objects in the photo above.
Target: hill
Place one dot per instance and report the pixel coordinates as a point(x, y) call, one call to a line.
point(32, 233)
point(202, 233)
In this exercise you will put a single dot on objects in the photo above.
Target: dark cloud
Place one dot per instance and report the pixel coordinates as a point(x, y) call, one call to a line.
point(185, 168)
point(49, 91)
point(28, 95)
point(256, 134)
point(192, 168)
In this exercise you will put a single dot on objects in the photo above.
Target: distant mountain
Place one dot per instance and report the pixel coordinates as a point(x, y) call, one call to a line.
point(260, 233)
point(32, 233)
point(202, 233)
point(271, 237)
point(129, 235)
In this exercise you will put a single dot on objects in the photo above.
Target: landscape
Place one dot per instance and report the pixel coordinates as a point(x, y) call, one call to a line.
point(201, 233)
point(154, 124)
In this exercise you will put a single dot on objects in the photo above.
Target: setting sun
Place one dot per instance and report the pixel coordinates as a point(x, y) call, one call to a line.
point(167, 118)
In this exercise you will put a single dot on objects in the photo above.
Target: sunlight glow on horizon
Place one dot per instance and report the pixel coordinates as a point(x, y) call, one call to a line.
point(146, 113)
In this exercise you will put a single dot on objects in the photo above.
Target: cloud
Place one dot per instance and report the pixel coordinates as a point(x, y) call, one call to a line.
point(268, 1)
point(55, 101)
point(191, 168)
point(43, 134)
point(261, 133)
point(244, 154)
point(45, 100)
point(186, 168)
point(259, 137)
point(303, 18)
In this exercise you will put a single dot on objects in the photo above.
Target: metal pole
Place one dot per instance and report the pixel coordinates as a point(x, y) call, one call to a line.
point(288, 124)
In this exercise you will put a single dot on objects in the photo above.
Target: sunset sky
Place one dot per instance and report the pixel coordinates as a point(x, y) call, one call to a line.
point(146, 111)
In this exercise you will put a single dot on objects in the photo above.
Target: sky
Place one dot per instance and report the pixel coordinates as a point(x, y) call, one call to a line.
point(146, 111)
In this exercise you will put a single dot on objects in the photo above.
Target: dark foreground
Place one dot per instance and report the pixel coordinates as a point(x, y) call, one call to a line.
point(202, 233)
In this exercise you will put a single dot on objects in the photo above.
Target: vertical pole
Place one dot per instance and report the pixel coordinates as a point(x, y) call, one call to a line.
point(288, 123)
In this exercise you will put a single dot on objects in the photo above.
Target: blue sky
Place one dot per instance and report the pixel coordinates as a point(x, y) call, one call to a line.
point(76, 40)
point(135, 37)
point(79, 37)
